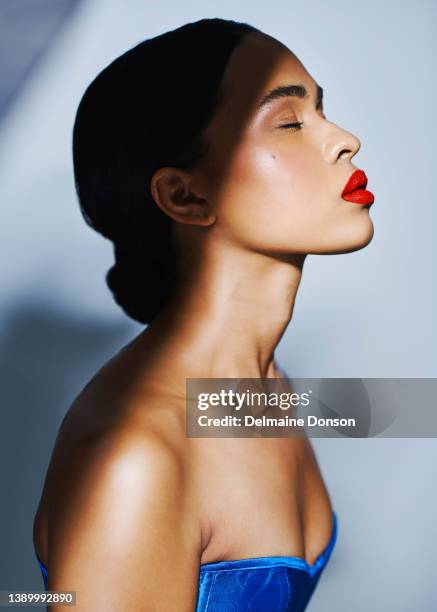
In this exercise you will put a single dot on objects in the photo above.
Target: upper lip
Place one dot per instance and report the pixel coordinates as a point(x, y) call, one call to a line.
point(357, 180)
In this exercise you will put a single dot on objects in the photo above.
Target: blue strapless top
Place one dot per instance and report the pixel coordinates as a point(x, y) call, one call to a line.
point(257, 584)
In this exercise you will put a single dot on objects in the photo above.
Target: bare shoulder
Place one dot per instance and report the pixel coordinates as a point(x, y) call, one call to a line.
point(123, 528)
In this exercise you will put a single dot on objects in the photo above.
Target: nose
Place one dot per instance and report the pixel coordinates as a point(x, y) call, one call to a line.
point(340, 144)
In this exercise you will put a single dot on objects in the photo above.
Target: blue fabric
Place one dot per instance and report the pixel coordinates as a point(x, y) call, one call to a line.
point(258, 584)
point(43, 571)
point(261, 584)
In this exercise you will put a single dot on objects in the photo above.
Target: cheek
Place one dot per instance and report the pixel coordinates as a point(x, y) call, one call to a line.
point(267, 199)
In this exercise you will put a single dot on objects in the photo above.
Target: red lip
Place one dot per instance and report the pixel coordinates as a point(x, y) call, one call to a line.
point(355, 189)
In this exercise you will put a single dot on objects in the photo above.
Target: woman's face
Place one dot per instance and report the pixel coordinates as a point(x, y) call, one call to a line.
point(276, 188)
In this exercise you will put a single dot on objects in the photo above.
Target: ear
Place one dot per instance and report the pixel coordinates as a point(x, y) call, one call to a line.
point(174, 193)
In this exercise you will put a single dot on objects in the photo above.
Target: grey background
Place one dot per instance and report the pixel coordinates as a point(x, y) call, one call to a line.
point(366, 314)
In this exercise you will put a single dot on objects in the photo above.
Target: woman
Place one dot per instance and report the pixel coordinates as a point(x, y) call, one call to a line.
point(204, 155)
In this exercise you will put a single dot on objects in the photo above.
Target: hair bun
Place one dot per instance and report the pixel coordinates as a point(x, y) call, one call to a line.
point(141, 281)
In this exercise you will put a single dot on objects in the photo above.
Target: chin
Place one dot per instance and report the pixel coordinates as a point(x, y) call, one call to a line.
point(352, 237)
point(358, 236)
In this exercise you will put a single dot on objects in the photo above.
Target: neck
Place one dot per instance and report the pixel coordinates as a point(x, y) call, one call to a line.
point(227, 316)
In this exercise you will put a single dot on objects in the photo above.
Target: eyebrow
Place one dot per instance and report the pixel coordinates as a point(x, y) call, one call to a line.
point(296, 91)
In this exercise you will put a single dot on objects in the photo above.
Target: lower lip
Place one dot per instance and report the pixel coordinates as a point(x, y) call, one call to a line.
point(359, 196)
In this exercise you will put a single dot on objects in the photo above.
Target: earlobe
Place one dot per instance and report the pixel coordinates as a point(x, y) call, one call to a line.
point(172, 191)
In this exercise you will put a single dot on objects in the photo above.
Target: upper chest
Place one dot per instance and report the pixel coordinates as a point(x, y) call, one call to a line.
point(261, 497)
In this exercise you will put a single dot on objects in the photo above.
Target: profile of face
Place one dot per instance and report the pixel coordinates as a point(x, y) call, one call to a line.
point(276, 168)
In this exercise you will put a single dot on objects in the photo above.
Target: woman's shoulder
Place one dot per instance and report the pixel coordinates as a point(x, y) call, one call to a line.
point(117, 419)
point(123, 490)
point(107, 426)
point(122, 405)
point(133, 456)
point(129, 456)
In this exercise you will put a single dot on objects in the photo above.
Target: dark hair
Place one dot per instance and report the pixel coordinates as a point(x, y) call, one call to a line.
point(147, 110)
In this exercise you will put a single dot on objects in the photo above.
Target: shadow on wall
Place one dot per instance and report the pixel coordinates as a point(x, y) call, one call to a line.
point(45, 361)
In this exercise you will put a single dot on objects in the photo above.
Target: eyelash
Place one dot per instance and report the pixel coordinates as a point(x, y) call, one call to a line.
point(294, 127)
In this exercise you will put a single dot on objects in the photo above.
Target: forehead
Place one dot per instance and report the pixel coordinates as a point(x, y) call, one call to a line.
point(259, 64)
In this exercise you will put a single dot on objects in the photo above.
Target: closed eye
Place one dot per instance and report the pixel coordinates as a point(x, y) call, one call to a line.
point(292, 126)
